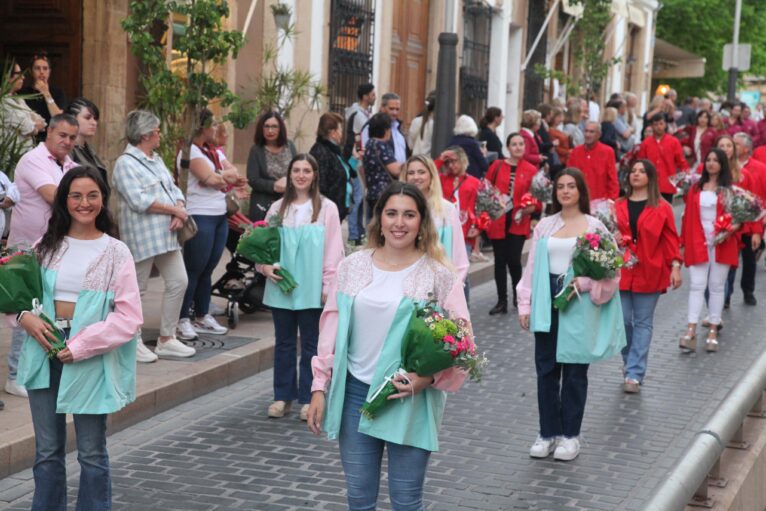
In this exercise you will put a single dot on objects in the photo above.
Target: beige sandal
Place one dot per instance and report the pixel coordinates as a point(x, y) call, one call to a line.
point(688, 342)
point(711, 343)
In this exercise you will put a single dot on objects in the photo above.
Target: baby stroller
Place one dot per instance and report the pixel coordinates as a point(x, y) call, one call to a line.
point(241, 285)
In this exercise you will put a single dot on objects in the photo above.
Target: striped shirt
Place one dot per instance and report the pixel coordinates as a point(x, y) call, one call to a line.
point(140, 184)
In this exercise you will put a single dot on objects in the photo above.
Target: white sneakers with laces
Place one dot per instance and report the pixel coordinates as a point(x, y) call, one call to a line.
point(542, 447)
point(567, 449)
point(186, 331)
point(208, 325)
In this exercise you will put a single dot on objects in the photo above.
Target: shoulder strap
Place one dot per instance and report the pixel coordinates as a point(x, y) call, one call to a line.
point(155, 175)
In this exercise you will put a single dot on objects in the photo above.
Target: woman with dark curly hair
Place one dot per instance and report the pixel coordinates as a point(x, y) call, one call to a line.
point(90, 288)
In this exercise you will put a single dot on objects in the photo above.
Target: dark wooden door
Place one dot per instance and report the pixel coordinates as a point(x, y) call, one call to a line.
point(409, 56)
point(28, 26)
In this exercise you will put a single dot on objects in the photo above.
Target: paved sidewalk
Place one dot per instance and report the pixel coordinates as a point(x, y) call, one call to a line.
point(220, 451)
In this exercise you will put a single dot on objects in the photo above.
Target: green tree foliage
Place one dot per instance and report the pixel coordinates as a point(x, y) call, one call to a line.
point(587, 41)
point(703, 27)
point(12, 144)
point(178, 98)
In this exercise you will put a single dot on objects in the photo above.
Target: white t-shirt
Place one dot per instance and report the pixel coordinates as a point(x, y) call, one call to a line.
point(373, 311)
point(303, 212)
point(203, 200)
point(708, 210)
point(74, 265)
point(560, 254)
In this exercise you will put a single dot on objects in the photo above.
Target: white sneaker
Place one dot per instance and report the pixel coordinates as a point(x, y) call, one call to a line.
point(542, 447)
point(13, 388)
point(174, 348)
point(143, 354)
point(209, 325)
point(186, 330)
point(216, 310)
point(567, 449)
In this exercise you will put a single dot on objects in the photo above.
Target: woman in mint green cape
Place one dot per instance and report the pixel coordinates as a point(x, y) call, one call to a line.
point(90, 288)
point(591, 328)
point(361, 331)
point(311, 247)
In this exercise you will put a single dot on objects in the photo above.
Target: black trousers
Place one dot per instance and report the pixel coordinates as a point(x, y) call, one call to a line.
point(507, 255)
point(562, 389)
point(748, 266)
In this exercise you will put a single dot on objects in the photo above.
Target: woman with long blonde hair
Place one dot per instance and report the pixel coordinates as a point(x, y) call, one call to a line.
point(421, 172)
point(362, 328)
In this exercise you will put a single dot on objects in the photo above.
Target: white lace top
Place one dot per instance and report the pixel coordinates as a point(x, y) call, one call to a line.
point(74, 265)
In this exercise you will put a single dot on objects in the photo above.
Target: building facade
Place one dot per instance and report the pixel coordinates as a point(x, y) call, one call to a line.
point(342, 43)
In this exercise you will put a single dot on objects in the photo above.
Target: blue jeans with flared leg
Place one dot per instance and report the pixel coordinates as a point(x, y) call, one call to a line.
point(362, 454)
point(95, 493)
point(638, 313)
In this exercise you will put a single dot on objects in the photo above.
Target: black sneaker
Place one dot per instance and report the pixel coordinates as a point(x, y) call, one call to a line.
point(750, 299)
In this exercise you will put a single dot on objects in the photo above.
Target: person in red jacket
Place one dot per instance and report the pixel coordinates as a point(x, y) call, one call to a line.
point(760, 152)
point(461, 189)
point(530, 124)
point(596, 161)
point(665, 152)
point(648, 233)
point(752, 233)
point(707, 261)
point(700, 137)
point(512, 176)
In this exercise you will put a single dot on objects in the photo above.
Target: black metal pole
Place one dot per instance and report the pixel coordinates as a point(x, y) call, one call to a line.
point(732, 89)
point(446, 93)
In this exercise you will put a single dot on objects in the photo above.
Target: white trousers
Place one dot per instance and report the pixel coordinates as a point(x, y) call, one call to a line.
point(173, 272)
point(710, 275)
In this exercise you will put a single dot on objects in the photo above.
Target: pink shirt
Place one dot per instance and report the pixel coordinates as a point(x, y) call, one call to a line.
point(36, 169)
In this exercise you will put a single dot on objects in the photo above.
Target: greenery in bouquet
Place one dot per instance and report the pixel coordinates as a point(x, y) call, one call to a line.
point(542, 187)
point(489, 200)
point(260, 243)
point(432, 342)
point(21, 289)
point(595, 256)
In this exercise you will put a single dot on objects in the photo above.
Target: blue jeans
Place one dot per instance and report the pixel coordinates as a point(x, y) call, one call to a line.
point(287, 384)
point(95, 493)
point(18, 335)
point(356, 214)
point(201, 255)
point(638, 312)
point(362, 454)
point(561, 388)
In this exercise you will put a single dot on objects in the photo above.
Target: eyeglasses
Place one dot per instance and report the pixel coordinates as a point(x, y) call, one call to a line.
point(448, 161)
point(78, 197)
point(271, 126)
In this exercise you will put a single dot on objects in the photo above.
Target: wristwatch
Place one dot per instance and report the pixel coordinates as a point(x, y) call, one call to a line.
point(50, 100)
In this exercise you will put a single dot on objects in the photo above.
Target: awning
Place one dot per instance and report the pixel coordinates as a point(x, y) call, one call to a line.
point(670, 61)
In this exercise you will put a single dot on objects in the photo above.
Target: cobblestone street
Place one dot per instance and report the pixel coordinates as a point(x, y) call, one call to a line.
point(220, 452)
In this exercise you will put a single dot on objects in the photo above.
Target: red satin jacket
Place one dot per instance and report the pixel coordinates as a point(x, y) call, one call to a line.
point(667, 156)
point(657, 247)
point(693, 236)
point(598, 165)
point(499, 174)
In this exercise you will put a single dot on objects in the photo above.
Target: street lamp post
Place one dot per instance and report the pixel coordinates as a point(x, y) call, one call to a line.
point(732, 90)
point(446, 92)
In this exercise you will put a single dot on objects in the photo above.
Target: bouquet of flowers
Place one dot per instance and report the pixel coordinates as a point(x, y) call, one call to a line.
point(238, 222)
point(603, 209)
point(21, 288)
point(683, 181)
point(260, 243)
point(489, 200)
point(431, 343)
point(596, 257)
point(526, 200)
point(741, 206)
point(542, 187)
